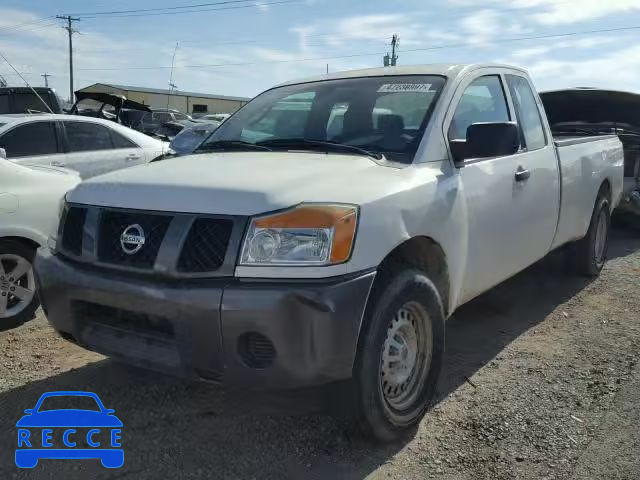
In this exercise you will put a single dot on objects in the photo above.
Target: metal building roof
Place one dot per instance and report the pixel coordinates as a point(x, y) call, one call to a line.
point(163, 91)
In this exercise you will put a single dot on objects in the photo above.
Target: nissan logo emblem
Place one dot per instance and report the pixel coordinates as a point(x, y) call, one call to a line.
point(132, 239)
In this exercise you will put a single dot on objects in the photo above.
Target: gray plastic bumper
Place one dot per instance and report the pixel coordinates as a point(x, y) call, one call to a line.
point(307, 330)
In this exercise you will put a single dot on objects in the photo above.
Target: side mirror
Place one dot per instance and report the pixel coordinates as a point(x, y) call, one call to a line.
point(487, 139)
point(492, 139)
point(3, 153)
point(109, 411)
point(29, 411)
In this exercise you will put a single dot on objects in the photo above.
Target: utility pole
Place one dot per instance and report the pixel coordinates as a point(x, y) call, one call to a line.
point(46, 78)
point(71, 31)
point(392, 60)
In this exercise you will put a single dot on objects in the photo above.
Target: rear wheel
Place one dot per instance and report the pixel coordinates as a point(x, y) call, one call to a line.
point(588, 255)
point(18, 298)
point(400, 354)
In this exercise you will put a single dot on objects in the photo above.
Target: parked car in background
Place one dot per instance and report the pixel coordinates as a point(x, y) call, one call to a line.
point(24, 100)
point(579, 112)
point(153, 120)
point(90, 146)
point(190, 138)
point(169, 130)
point(30, 200)
point(301, 259)
point(131, 117)
point(216, 117)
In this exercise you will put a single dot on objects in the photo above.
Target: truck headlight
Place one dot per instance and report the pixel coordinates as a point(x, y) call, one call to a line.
point(309, 234)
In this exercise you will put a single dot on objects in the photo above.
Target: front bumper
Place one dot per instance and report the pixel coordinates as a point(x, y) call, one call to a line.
point(263, 334)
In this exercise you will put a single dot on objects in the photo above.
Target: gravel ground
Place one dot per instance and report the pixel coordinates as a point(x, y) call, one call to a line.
point(541, 382)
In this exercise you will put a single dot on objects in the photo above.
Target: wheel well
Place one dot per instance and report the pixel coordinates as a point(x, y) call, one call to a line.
point(27, 242)
point(605, 188)
point(427, 255)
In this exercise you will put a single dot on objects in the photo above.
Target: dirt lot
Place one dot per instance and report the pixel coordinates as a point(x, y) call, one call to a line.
point(542, 381)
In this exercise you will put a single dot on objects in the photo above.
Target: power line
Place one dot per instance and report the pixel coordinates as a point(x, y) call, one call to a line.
point(19, 25)
point(151, 14)
point(423, 49)
point(141, 10)
point(519, 39)
point(15, 31)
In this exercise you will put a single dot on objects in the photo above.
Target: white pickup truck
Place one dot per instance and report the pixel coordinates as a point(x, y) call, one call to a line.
point(374, 204)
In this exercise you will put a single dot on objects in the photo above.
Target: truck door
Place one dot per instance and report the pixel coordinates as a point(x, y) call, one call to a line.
point(539, 191)
point(503, 215)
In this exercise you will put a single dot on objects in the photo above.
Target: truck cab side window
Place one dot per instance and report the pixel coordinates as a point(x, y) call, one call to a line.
point(482, 101)
point(31, 139)
point(527, 112)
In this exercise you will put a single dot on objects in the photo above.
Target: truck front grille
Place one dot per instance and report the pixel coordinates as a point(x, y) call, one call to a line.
point(112, 226)
point(193, 245)
point(72, 233)
point(206, 245)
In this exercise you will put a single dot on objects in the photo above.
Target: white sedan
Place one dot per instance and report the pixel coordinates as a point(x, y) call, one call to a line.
point(30, 199)
point(90, 146)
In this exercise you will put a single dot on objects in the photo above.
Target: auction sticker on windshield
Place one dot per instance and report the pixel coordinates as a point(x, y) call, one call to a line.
point(405, 87)
point(70, 426)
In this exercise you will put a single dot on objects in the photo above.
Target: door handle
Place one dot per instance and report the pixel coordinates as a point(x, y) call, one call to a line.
point(133, 156)
point(56, 163)
point(522, 174)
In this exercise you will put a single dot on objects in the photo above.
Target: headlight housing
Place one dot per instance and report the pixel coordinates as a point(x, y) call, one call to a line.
point(309, 234)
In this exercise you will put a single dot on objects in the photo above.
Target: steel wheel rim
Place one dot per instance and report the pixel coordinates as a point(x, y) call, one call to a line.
point(406, 356)
point(601, 237)
point(17, 284)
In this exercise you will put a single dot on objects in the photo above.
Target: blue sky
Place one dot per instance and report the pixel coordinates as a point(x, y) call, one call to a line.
point(278, 42)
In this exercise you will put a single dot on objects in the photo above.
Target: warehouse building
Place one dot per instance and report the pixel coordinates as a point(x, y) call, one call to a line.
point(187, 102)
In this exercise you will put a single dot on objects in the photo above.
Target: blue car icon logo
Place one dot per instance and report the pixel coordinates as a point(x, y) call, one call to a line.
point(53, 430)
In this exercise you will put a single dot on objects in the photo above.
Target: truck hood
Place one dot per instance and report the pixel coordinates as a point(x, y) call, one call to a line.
point(239, 183)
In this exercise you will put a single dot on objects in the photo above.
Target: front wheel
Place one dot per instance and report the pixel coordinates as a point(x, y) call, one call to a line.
point(18, 298)
point(588, 255)
point(400, 354)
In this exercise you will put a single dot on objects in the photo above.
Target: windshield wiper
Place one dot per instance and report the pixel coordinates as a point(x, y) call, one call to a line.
point(230, 145)
point(318, 145)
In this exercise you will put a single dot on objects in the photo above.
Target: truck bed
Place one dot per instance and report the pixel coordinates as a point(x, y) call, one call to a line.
point(584, 161)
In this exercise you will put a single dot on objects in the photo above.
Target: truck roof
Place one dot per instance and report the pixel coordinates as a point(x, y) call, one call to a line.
point(26, 89)
point(444, 69)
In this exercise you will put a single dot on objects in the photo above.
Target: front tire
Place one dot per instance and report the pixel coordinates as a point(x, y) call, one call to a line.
point(588, 255)
point(400, 354)
point(18, 297)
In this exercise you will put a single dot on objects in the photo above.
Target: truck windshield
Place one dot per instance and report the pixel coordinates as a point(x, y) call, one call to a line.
point(384, 115)
point(25, 102)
